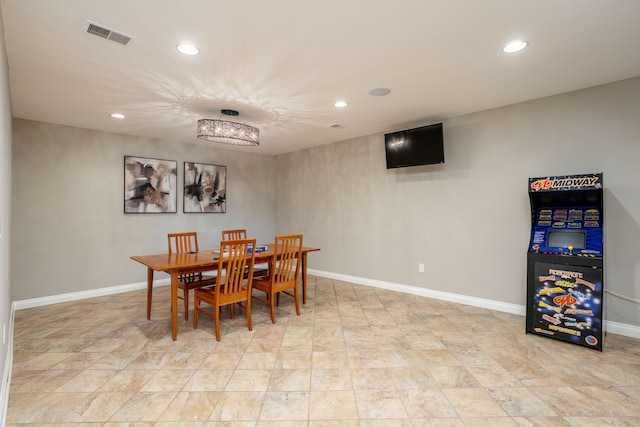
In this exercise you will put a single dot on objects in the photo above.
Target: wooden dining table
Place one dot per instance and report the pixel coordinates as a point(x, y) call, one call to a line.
point(176, 264)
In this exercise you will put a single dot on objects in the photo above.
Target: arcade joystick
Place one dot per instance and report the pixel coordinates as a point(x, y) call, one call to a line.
point(536, 247)
point(570, 250)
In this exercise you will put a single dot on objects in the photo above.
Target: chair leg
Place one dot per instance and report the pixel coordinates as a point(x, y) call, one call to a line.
point(248, 309)
point(295, 297)
point(186, 304)
point(196, 306)
point(216, 321)
point(273, 310)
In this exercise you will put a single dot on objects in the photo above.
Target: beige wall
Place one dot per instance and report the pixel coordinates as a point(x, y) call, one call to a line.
point(468, 220)
point(70, 232)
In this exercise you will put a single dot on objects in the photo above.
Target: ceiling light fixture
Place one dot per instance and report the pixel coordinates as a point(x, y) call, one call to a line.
point(340, 104)
point(117, 115)
point(187, 49)
point(227, 132)
point(515, 46)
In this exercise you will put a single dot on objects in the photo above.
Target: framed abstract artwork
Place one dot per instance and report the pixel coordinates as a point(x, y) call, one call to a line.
point(150, 185)
point(205, 188)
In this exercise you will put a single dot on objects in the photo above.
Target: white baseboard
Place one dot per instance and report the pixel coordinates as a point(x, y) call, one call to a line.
point(622, 329)
point(429, 293)
point(74, 296)
point(613, 327)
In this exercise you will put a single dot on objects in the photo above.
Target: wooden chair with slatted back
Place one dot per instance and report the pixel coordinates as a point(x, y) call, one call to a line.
point(259, 270)
point(234, 234)
point(236, 257)
point(284, 269)
point(184, 243)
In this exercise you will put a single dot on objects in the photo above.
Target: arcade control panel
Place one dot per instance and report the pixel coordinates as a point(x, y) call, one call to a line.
point(571, 231)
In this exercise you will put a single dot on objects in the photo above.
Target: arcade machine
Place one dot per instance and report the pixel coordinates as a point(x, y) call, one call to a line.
point(565, 280)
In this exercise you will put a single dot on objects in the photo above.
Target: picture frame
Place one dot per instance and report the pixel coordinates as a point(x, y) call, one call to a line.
point(150, 185)
point(205, 188)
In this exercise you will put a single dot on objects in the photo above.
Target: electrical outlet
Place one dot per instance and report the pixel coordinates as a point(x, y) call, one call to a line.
point(421, 268)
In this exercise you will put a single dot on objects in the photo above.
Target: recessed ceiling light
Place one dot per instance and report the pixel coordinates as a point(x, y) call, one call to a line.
point(340, 104)
point(381, 91)
point(515, 46)
point(117, 115)
point(187, 49)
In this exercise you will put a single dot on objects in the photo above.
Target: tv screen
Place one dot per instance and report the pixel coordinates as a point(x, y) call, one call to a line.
point(414, 147)
point(564, 239)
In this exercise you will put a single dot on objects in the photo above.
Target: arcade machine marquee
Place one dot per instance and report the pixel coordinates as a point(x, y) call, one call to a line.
point(565, 259)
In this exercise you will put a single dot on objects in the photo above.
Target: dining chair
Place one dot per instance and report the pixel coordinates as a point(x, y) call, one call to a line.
point(234, 234)
point(259, 270)
point(185, 243)
point(284, 269)
point(236, 256)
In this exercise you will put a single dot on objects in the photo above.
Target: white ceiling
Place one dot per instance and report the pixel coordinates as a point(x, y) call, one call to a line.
point(282, 63)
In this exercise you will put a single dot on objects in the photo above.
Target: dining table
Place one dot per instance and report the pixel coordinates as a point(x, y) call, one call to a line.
point(176, 264)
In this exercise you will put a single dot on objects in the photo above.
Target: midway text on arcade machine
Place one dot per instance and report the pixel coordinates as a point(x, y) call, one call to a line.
point(565, 259)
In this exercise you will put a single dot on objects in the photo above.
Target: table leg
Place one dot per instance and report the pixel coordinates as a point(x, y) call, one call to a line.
point(149, 291)
point(304, 278)
point(174, 305)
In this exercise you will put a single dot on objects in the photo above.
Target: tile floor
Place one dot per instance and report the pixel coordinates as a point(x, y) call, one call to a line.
point(357, 356)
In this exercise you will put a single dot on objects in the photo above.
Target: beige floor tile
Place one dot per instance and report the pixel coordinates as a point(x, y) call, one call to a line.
point(412, 378)
point(128, 380)
point(144, 406)
point(372, 379)
point(238, 406)
point(98, 407)
point(473, 403)
point(380, 404)
point(293, 359)
point(520, 402)
point(168, 380)
point(252, 360)
point(493, 376)
point(330, 360)
point(290, 380)
point(332, 405)
point(44, 381)
point(208, 380)
point(194, 406)
point(601, 422)
point(42, 407)
point(453, 377)
point(249, 380)
point(541, 421)
point(88, 380)
point(429, 403)
point(285, 405)
point(569, 402)
point(331, 379)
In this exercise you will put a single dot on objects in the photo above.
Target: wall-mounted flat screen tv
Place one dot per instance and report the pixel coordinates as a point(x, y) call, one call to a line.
point(414, 147)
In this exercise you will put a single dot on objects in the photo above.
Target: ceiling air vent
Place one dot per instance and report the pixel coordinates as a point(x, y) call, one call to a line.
point(108, 33)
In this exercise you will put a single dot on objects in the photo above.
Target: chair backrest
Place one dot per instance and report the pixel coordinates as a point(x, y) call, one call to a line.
point(234, 234)
point(236, 257)
point(183, 242)
point(287, 253)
